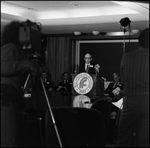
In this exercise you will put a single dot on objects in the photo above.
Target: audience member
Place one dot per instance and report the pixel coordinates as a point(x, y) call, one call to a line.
point(65, 86)
point(12, 67)
point(115, 89)
point(47, 83)
point(134, 117)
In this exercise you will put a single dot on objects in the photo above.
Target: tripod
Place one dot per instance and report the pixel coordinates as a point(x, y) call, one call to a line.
point(38, 81)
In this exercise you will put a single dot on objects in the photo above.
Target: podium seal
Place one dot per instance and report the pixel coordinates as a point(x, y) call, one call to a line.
point(83, 83)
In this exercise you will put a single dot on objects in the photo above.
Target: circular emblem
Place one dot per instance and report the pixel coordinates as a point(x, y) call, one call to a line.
point(83, 83)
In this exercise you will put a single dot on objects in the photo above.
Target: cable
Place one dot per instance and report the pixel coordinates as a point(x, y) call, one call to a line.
point(124, 47)
point(100, 80)
point(129, 37)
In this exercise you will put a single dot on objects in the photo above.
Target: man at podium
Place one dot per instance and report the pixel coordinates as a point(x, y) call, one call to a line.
point(94, 71)
point(92, 68)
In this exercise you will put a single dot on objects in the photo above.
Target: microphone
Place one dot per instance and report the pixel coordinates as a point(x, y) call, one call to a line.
point(96, 68)
point(96, 72)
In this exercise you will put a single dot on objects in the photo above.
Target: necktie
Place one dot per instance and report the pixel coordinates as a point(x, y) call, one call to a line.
point(87, 68)
point(65, 81)
point(115, 85)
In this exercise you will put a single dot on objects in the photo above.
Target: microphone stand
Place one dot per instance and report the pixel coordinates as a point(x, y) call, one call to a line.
point(100, 78)
point(124, 48)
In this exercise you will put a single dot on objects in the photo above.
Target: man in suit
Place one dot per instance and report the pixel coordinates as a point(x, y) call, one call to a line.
point(65, 86)
point(47, 83)
point(91, 68)
point(115, 89)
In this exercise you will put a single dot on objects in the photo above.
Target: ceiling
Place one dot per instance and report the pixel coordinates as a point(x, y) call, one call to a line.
point(65, 17)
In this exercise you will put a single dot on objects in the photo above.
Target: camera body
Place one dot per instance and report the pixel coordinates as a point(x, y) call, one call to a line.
point(30, 35)
point(32, 40)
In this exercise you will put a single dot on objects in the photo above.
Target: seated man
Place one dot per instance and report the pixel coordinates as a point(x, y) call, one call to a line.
point(115, 89)
point(65, 85)
point(47, 83)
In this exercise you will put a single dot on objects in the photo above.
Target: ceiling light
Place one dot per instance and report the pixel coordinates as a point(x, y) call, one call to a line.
point(120, 33)
point(31, 8)
point(95, 32)
point(135, 31)
point(77, 33)
point(76, 5)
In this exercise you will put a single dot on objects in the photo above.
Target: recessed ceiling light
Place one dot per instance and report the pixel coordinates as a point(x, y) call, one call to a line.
point(135, 31)
point(31, 8)
point(76, 5)
point(121, 33)
point(77, 33)
point(95, 32)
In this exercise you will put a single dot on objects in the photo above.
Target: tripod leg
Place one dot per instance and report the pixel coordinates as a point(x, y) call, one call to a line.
point(51, 113)
point(38, 94)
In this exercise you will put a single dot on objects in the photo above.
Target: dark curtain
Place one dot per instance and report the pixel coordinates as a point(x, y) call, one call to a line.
point(58, 57)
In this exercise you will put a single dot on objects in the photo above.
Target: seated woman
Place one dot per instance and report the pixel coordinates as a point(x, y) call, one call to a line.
point(65, 86)
point(115, 89)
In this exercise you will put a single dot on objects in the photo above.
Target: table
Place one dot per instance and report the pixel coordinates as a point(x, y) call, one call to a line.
point(57, 99)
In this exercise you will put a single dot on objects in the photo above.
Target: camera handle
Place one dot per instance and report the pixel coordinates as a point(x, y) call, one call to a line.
point(26, 82)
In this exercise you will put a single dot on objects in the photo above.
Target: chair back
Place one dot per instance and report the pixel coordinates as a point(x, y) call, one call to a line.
point(80, 127)
point(104, 106)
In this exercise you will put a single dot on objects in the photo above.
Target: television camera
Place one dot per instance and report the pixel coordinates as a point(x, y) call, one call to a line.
point(33, 41)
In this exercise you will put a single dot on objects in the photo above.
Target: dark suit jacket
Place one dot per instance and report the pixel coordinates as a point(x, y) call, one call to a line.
point(111, 87)
point(91, 70)
point(67, 86)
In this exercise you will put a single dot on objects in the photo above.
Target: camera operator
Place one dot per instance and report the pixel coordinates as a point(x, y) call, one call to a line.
point(12, 66)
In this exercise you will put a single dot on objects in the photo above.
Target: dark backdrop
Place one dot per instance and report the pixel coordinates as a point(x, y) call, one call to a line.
point(106, 54)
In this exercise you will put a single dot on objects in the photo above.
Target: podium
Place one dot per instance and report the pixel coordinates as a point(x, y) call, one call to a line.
point(96, 90)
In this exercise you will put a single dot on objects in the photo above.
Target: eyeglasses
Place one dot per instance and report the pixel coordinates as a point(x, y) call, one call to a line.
point(87, 58)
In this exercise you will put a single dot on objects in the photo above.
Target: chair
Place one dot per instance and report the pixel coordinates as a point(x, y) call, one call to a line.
point(78, 127)
point(104, 106)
